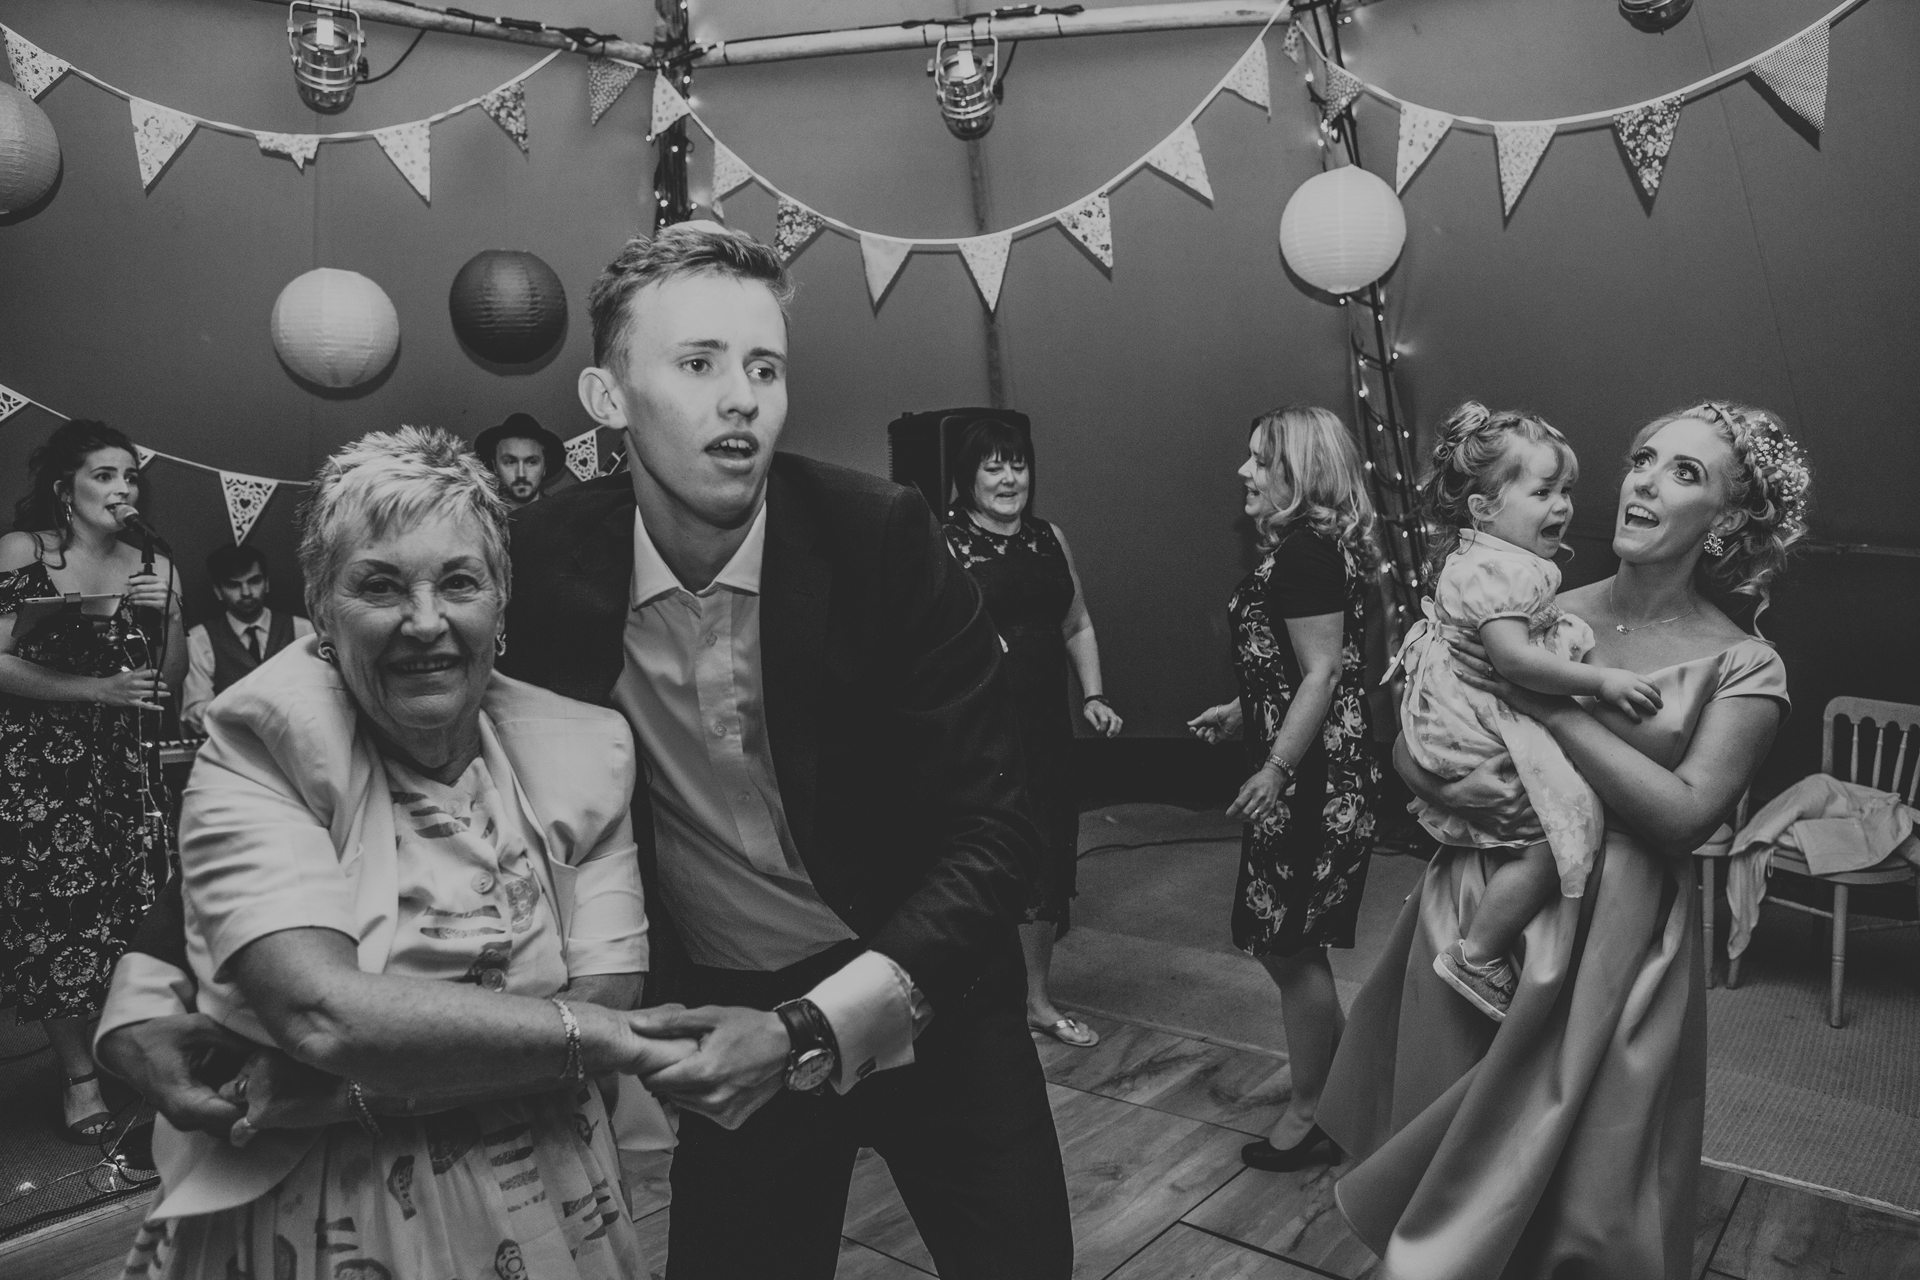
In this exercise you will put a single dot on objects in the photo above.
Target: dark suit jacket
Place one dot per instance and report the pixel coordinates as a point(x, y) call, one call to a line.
point(892, 731)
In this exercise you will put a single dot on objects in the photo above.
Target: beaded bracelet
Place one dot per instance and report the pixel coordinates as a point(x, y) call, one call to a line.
point(361, 1111)
point(575, 1068)
point(1095, 697)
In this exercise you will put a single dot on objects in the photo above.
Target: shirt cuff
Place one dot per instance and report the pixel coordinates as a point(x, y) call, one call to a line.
point(875, 1013)
point(144, 987)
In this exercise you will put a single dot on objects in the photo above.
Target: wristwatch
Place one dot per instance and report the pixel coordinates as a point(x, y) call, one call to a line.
point(815, 1053)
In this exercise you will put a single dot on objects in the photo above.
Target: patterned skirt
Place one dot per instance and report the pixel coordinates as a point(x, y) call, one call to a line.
point(525, 1189)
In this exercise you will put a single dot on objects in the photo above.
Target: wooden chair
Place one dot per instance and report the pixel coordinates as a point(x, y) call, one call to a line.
point(1900, 720)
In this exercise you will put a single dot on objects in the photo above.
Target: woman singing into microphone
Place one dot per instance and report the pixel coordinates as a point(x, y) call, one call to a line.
point(79, 855)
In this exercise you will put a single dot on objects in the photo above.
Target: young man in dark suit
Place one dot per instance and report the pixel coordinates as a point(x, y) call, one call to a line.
point(834, 784)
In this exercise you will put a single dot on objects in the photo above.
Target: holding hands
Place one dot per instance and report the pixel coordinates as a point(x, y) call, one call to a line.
point(739, 1063)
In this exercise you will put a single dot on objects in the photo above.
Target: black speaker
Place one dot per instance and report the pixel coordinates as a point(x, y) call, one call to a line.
point(922, 448)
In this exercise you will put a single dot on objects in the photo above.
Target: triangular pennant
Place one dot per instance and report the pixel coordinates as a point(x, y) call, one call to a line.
point(1339, 91)
point(11, 402)
point(1295, 44)
point(246, 498)
point(794, 228)
point(668, 105)
point(1091, 223)
point(158, 132)
point(34, 69)
point(144, 455)
point(607, 79)
point(508, 107)
point(1179, 158)
point(987, 259)
point(297, 147)
point(1421, 129)
point(883, 256)
point(1647, 134)
point(730, 172)
point(1519, 147)
point(410, 147)
point(583, 454)
point(1250, 77)
point(1797, 71)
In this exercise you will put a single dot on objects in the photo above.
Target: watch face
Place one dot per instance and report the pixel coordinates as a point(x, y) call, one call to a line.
point(811, 1071)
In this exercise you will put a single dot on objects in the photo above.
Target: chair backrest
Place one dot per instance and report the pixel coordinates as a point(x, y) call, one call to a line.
point(1900, 721)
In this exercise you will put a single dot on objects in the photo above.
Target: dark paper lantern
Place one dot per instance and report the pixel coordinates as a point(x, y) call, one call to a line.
point(508, 305)
point(29, 151)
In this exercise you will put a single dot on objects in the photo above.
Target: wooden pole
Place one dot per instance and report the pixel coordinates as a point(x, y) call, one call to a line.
point(1122, 20)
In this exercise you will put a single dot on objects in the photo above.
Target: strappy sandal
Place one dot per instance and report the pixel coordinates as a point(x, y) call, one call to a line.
point(1068, 1030)
point(88, 1129)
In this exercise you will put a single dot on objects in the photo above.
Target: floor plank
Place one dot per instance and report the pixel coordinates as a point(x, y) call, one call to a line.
point(1183, 1253)
point(1777, 1233)
point(1286, 1213)
point(652, 1231)
point(877, 1217)
point(1234, 1088)
point(857, 1262)
point(1719, 1190)
point(91, 1247)
point(1878, 1246)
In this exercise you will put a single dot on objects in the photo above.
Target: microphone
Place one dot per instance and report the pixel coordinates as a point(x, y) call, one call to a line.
point(133, 522)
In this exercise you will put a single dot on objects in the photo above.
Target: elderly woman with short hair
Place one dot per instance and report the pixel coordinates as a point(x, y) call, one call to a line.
point(411, 888)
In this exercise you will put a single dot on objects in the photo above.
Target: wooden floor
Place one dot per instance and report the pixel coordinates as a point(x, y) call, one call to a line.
point(1151, 1126)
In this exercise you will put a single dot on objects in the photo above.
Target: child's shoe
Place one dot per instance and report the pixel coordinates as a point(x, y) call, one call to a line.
point(1488, 988)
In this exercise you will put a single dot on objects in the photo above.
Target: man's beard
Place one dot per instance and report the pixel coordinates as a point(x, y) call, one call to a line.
point(523, 491)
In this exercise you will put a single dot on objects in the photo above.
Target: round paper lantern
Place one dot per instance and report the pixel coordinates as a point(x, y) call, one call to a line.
point(508, 305)
point(29, 151)
point(336, 328)
point(1342, 229)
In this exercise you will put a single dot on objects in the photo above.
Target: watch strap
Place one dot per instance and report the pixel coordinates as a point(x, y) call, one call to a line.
point(807, 1029)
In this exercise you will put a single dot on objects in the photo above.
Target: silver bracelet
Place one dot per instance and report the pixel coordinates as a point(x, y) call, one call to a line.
point(574, 1069)
point(361, 1111)
point(1286, 770)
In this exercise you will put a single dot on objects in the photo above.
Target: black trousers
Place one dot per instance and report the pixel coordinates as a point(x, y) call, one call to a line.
point(965, 1129)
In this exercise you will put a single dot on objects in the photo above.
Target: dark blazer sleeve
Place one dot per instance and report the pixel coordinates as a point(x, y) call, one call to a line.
point(962, 761)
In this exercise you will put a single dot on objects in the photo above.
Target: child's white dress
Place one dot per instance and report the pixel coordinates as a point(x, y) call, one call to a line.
point(1453, 728)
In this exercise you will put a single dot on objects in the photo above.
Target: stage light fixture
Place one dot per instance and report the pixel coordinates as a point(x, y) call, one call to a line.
point(326, 42)
point(966, 86)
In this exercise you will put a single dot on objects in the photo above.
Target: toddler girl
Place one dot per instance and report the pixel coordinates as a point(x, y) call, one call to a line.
point(1498, 503)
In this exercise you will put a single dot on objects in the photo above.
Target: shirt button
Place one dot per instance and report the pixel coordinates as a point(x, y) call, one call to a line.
point(719, 729)
point(712, 638)
point(483, 882)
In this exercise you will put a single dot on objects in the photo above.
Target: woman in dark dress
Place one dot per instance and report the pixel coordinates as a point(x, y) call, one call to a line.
point(1026, 573)
point(80, 859)
point(1299, 628)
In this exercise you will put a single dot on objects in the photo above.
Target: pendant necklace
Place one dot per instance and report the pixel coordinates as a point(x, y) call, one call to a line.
point(1624, 629)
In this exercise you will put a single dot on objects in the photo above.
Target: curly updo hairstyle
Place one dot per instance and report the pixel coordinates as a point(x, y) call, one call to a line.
point(1475, 455)
point(1769, 483)
point(50, 472)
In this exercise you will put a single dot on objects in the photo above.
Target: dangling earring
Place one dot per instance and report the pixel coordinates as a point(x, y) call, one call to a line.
point(1713, 546)
point(327, 652)
point(500, 645)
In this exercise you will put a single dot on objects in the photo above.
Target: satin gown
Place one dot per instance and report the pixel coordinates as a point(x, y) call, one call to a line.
point(1565, 1142)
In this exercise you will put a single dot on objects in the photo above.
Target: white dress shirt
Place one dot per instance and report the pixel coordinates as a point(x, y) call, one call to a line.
point(729, 871)
point(198, 690)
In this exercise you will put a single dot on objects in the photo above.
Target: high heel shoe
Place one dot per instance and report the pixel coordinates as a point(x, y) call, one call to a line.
point(1315, 1148)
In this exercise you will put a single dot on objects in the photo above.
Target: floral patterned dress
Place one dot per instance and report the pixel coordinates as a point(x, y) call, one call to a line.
point(79, 860)
point(1303, 867)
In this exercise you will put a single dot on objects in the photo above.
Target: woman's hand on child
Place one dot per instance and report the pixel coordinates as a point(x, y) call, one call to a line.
point(1634, 697)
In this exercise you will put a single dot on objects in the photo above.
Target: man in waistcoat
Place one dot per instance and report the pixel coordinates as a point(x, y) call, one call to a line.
point(245, 634)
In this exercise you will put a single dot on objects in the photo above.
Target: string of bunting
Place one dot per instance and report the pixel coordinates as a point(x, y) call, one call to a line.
point(1794, 69)
point(246, 496)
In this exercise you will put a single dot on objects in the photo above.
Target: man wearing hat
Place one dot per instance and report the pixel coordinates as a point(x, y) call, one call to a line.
point(522, 455)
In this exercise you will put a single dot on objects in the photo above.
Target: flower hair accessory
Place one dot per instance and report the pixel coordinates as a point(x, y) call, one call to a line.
point(1778, 459)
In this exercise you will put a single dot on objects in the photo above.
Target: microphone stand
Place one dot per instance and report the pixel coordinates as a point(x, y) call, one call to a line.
point(154, 811)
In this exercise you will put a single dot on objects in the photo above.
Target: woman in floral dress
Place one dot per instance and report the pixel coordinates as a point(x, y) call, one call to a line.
point(1299, 626)
point(80, 858)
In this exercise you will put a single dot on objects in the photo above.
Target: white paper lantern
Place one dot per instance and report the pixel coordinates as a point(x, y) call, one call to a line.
point(336, 328)
point(1342, 229)
point(29, 151)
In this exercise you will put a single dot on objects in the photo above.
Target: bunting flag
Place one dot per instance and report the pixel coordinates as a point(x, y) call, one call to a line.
point(730, 173)
point(1797, 71)
point(1179, 158)
point(410, 147)
point(158, 132)
point(11, 402)
point(297, 147)
point(607, 79)
point(1295, 43)
point(794, 228)
point(1250, 77)
point(1519, 147)
point(1647, 134)
point(34, 69)
point(144, 455)
point(987, 259)
point(1091, 223)
point(1421, 129)
point(583, 454)
point(668, 105)
point(246, 497)
point(882, 256)
point(1339, 92)
point(508, 107)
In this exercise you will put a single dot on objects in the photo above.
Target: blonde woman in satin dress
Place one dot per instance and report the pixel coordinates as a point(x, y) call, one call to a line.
point(1566, 1141)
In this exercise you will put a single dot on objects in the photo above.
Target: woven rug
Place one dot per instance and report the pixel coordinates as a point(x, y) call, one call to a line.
point(1789, 1099)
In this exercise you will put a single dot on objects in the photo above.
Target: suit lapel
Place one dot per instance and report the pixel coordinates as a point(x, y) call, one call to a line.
point(795, 586)
point(601, 563)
